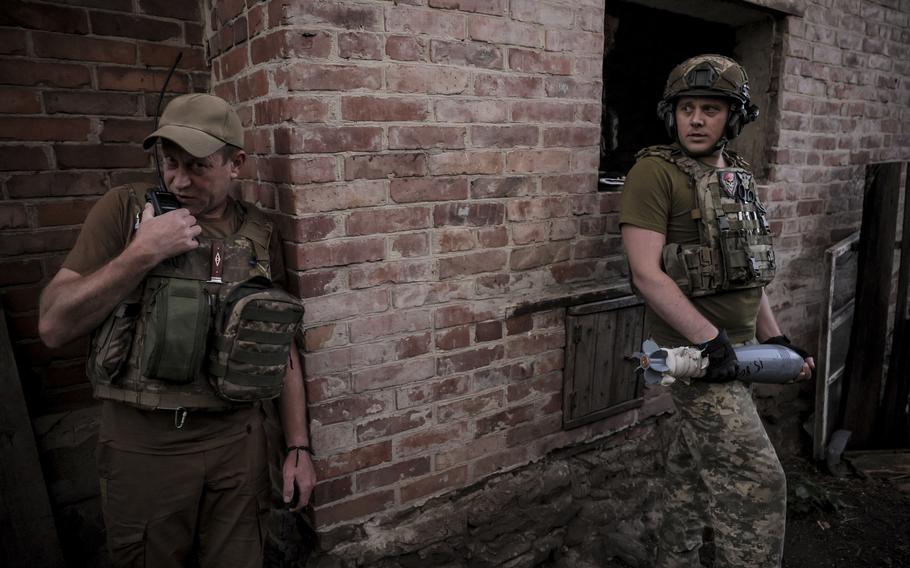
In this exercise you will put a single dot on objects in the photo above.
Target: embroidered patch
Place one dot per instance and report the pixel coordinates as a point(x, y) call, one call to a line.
point(729, 182)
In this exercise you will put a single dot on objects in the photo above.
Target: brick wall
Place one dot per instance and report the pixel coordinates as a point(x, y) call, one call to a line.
point(78, 88)
point(434, 164)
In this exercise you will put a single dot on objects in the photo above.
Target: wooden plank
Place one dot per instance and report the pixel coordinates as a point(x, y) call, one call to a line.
point(28, 536)
point(606, 305)
point(607, 334)
point(865, 362)
point(584, 364)
point(569, 395)
point(894, 426)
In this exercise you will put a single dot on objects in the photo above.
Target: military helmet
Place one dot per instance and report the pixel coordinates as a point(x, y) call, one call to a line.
point(712, 76)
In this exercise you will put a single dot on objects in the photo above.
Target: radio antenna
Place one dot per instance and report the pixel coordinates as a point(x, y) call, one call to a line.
point(158, 116)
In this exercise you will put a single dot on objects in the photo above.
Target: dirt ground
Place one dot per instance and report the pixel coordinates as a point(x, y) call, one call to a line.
point(851, 522)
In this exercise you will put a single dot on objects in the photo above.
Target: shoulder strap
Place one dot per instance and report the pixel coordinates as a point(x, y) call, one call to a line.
point(258, 229)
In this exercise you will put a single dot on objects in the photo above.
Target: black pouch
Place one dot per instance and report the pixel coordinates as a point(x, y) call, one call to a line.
point(111, 344)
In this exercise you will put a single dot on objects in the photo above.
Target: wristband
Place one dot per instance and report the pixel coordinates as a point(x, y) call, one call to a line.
point(298, 449)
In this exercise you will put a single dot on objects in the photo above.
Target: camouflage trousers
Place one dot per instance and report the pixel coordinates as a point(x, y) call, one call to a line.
point(722, 472)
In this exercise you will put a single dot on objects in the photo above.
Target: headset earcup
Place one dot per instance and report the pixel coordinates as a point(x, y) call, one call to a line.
point(665, 113)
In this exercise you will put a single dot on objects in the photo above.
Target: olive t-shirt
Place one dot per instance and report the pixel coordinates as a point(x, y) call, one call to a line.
point(658, 196)
point(104, 235)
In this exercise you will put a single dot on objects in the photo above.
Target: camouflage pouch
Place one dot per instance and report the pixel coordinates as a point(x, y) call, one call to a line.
point(111, 344)
point(254, 326)
point(177, 329)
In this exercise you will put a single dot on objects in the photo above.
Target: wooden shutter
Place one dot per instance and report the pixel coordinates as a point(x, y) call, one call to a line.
point(600, 378)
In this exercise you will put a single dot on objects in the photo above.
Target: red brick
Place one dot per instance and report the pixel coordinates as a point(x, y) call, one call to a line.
point(410, 245)
point(538, 255)
point(467, 408)
point(253, 86)
point(570, 88)
point(563, 229)
point(119, 130)
point(22, 158)
point(542, 111)
point(502, 187)
point(13, 42)
point(406, 48)
point(533, 344)
point(378, 353)
point(453, 338)
point(181, 10)
point(19, 101)
point(69, 212)
point(333, 197)
point(44, 17)
point(71, 129)
point(576, 183)
point(60, 46)
point(20, 272)
point(330, 14)
point(13, 216)
point(430, 439)
point(374, 327)
point(127, 79)
point(423, 21)
point(473, 54)
point(474, 263)
point(328, 362)
point(503, 31)
point(493, 7)
point(356, 508)
point(38, 242)
point(334, 253)
point(55, 184)
point(531, 209)
point(591, 248)
point(134, 27)
point(501, 85)
point(90, 102)
point(292, 109)
point(21, 300)
point(451, 479)
point(310, 77)
point(409, 371)
point(542, 13)
point(313, 229)
point(233, 62)
point(291, 44)
point(377, 109)
point(429, 392)
point(471, 111)
point(158, 55)
point(540, 385)
point(393, 474)
point(426, 79)
point(328, 139)
point(100, 156)
point(503, 460)
point(415, 295)
point(297, 170)
point(257, 17)
point(537, 161)
point(391, 425)
point(574, 41)
point(428, 189)
point(493, 237)
point(470, 162)
point(468, 360)
point(468, 213)
point(504, 136)
point(376, 166)
point(390, 273)
point(488, 331)
point(333, 490)
point(359, 45)
point(462, 314)
point(454, 240)
point(506, 419)
point(340, 306)
point(528, 61)
point(325, 336)
point(29, 72)
point(349, 408)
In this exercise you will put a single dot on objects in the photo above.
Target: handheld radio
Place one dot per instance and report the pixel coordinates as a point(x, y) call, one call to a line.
point(162, 200)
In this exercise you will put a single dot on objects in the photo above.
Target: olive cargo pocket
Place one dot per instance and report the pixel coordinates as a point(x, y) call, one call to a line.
point(738, 264)
point(111, 344)
point(178, 322)
point(674, 264)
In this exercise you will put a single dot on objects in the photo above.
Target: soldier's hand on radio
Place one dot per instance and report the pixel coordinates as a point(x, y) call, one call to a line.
point(721, 359)
point(167, 235)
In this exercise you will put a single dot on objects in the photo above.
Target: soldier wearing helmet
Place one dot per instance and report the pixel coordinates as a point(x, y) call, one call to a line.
point(700, 253)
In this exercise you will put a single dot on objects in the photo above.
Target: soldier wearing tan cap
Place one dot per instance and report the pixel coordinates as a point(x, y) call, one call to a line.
point(181, 454)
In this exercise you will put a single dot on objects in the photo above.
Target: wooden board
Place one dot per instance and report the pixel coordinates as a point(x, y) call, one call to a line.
point(28, 536)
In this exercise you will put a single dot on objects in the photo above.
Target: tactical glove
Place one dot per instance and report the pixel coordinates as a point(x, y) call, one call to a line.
point(784, 341)
point(721, 359)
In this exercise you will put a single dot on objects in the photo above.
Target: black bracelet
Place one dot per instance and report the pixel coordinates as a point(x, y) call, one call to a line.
point(298, 449)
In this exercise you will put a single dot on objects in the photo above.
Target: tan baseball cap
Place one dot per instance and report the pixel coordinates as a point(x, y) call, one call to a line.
point(200, 124)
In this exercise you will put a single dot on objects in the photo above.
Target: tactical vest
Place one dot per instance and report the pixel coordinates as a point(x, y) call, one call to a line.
point(167, 348)
point(734, 250)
